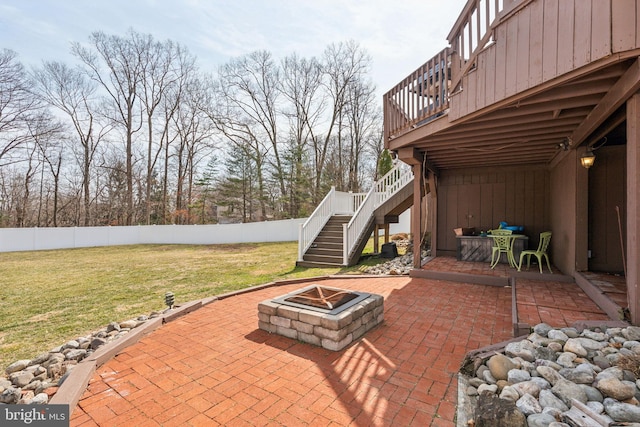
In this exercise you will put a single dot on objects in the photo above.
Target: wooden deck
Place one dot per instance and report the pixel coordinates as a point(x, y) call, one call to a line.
point(521, 80)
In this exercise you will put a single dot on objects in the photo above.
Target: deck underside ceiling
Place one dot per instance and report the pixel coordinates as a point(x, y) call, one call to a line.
point(531, 127)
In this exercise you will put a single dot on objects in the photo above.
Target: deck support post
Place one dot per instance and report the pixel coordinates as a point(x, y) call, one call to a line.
point(416, 215)
point(633, 207)
point(433, 212)
point(376, 239)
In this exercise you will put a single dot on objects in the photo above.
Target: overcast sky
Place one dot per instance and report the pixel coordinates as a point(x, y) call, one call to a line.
point(399, 35)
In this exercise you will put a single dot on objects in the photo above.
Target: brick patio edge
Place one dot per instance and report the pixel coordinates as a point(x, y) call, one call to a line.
point(74, 386)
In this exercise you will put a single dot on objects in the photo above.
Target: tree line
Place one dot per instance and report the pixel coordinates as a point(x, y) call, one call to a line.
point(135, 132)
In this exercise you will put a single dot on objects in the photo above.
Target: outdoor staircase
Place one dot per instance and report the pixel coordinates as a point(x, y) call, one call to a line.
point(338, 230)
point(327, 249)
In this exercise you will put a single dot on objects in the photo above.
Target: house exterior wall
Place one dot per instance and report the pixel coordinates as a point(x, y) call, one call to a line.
point(633, 207)
point(568, 213)
point(484, 197)
point(607, 191)
point(544, 40)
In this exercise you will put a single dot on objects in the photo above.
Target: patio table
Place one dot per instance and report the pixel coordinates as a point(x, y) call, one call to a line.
point(478, 248)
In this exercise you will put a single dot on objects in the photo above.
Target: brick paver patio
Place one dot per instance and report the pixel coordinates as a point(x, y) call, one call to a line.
point(215, 367)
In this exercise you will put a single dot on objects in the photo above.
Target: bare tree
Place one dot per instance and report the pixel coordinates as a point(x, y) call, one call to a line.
point(194, 130)
point(301, 86)
point(294, 126)
point(343, 63)
point(237, 129)
point(124, 59)
point(70, 91)
point(363, 120)
point(48, 139)
point(166, 68)
point(251, 87)
point(17, 106)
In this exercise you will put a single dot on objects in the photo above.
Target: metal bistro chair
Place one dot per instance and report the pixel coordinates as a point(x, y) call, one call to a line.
point(502, 244)
point(500, 232)
point(545, 239)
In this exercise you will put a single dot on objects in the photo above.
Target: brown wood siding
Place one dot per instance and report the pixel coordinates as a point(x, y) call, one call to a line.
point(600, 22)
point(536, 32)
point(550, 40)
point(542, 41)
point(606, 191)
point(624, 15)
point(481, 198)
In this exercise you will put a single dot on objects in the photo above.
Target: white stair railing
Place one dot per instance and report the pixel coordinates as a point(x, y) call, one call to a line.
point(396, 179)
point(334, 203)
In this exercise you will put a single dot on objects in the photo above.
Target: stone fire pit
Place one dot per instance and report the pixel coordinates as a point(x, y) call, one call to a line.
point(327, 317)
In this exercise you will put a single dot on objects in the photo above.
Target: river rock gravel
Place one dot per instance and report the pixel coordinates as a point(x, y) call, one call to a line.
point(555, 372)
point(397, 266)
point(34, 381)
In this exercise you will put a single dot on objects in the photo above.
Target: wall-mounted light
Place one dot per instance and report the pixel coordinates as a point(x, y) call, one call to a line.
point(587, 159)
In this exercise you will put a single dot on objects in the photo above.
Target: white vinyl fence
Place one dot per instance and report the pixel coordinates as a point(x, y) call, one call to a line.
point(34, 239)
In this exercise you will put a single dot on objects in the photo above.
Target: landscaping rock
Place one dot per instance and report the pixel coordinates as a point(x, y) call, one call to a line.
point(128, 324)
point(622, 412)
point(401, 265)
point(495, 412)
point(34, 381)
point(40, 399)
point(97, 342)
point(17, 366)
point(10, 395)
point(554, 367)
point(499, 365)
point(21, 379)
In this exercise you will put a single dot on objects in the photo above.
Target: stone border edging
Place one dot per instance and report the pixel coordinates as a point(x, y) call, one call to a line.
point(73, 387)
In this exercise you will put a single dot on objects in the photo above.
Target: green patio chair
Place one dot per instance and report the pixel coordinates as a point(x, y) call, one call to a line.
point(545, 239)
point(502, 244)
point(500, 232)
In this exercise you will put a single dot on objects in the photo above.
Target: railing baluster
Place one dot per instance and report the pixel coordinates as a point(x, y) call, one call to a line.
point(478, 29)
point(386, 187)
point(425, 92)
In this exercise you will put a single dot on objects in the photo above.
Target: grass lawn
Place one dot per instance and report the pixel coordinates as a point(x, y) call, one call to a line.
point(50, 297)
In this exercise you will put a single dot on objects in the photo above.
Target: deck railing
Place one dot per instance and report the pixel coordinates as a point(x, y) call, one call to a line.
point(383, 189)
point(424, 94)
point(474, 30)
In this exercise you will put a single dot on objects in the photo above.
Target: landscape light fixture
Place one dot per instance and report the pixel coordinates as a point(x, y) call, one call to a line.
point(169, 299)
